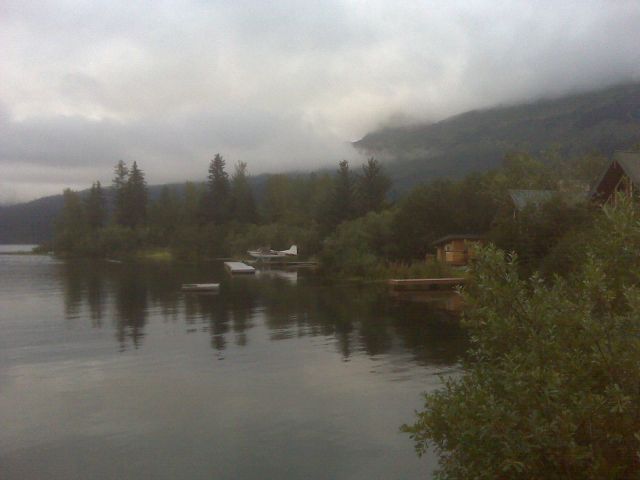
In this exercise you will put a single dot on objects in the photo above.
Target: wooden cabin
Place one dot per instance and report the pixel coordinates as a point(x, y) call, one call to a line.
point(621, 176)
point(457, 250)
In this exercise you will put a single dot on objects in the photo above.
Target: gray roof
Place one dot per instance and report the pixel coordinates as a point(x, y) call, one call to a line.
point(523, 198)
point(630, 163)
point(458, 236)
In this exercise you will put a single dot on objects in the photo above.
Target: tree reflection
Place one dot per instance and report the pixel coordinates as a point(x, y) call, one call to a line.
point(74, 274)
point(360, 320)
point(131, 307)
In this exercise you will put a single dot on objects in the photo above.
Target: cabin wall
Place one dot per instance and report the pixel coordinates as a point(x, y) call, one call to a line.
point(458, 252)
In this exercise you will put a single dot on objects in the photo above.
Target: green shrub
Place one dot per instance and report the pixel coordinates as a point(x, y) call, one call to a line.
point(551, 388)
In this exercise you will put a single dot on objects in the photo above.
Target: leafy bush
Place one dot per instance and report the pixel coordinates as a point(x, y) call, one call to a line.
point(551, 387)
point(358, 248)
point(536, 230)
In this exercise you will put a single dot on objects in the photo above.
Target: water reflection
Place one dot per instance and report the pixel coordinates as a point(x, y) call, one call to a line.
point(358, 319)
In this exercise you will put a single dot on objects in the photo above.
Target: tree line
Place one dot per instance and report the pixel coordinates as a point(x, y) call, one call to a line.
point(345, 217)
point(220, 217)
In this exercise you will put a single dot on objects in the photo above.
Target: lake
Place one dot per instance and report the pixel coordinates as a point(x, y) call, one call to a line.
point(109, 371)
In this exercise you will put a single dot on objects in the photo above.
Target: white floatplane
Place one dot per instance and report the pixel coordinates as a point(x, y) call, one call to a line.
point(266, 254)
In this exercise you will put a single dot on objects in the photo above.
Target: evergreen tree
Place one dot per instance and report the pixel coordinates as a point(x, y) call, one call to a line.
point(191, 208)
point(164, 215)
point(218, 190)
point(73, 217)
point(71, 224)
point(120, 191)
point(372, 187)
point(136, 198)
point(243, 203)
point(342, 206)
point(96, 207)
point(278, 198)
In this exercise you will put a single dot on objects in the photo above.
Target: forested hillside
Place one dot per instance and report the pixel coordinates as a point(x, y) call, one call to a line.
point(31, 222)
point(596, 122)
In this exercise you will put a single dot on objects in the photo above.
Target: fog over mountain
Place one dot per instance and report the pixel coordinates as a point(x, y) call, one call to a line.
point(282, 85)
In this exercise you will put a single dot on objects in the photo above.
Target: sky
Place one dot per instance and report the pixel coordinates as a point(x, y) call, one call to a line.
point(282, 85)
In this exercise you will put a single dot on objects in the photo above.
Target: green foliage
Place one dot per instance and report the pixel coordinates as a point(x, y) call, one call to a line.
point(438, 209)
point(279, 199)
point(342, 204)
point(217, 202)
point(372, 187)
point(119, 185)
point(191, 203)
point(359, 247)
point(130, 194)
point(551, 386)
point(165, 217)
point(115, 241)
point(71, 225)
point(96, 207)
point(243, 205)
point(136, 198)
point(535, 231)
point(419, 269)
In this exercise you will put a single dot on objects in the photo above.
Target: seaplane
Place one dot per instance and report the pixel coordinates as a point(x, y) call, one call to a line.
point(267, 255)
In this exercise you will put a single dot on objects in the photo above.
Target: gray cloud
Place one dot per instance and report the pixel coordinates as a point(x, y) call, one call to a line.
point(280, 85)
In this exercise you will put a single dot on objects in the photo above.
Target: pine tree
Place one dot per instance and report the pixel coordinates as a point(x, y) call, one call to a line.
point(136, 197)
point(343, 202)
point(164, 215)
point(372, 187)
point(120, 191)
point(243, 203)
point(71, 224)
point(96, 207)
point(218, 190)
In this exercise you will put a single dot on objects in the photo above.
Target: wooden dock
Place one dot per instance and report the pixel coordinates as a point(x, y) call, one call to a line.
point(425, 283)
point(239, 267)
point(283, 263)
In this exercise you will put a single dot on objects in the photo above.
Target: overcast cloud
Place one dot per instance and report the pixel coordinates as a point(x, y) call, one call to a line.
point(279, 84)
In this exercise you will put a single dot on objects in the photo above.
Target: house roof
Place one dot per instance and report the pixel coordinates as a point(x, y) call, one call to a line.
point(622, 162)
point(523, 198)
point(460, 236)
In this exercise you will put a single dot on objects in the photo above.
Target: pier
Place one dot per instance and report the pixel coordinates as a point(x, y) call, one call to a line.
point(425, 283)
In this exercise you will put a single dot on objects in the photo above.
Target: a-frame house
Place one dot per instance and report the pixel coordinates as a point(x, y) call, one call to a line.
point(621, 176)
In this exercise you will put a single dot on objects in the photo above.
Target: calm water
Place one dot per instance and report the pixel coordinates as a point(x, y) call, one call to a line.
point(108, 371)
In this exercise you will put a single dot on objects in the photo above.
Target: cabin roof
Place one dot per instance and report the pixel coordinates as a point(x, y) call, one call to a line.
point(627, 163)
point(457, 236)
point(523, 198)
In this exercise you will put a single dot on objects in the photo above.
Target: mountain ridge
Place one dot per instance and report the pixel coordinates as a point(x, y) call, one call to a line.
point(600, 121)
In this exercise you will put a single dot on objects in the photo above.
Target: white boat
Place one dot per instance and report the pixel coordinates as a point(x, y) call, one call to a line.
point(268, 254)
point(200, 287)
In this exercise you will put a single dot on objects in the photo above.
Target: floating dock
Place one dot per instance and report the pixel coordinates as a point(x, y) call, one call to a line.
point(282, 263)
point(239, 267)
point(425, 283)
point(200, 287)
